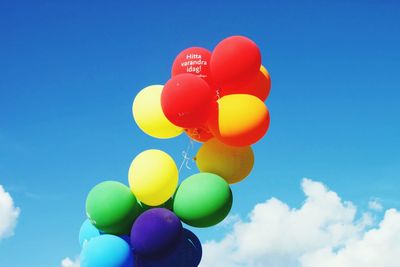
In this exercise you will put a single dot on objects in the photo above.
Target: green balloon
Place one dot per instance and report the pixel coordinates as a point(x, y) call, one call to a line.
point(112, 208)
point(202, 200)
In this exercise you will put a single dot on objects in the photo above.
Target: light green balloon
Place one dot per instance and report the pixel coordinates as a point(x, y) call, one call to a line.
point(202, 200)
point(112, 208)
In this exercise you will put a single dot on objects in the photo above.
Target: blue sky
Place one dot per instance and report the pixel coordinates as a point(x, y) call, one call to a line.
point(69, 72)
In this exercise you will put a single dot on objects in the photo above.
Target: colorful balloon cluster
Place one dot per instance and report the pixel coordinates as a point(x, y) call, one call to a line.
point(216, 98)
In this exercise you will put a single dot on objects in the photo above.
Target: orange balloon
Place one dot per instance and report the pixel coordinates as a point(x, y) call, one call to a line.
point(241, 120)
point(259, 86)
point(200, 134)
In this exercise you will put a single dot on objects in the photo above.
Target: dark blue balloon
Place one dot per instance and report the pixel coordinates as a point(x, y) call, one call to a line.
point(187, 253)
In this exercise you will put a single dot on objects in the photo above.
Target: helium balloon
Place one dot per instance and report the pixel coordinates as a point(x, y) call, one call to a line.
point(241, 120)
point(155, 232)
point(153, 177)
point(231, 163)
point(106, 251)
point(259, 86)
point(112, 207)
point(149, 116)
point(187, 100)
point(202, 200)
point(235, 61)
point(87, 232)
point(187, 253)
point(200, 134)
point(194, 60)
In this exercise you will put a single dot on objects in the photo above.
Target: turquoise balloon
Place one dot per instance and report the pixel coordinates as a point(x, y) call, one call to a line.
point(106, 251)
point(87, 232)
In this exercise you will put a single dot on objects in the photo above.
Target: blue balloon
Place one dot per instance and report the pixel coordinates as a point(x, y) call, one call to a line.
point(87, 232)
point(106, 251)
point(187, 253)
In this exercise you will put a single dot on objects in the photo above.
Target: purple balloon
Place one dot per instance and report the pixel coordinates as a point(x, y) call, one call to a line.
point(155, 232)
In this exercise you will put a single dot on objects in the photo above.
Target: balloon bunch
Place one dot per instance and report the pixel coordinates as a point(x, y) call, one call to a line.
point(216, 98)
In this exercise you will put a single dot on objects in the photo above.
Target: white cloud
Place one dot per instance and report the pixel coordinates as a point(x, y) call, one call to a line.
point(375, 204)
point(8, 214)
point(323, 232)
point(67, 262)
point(379, 247)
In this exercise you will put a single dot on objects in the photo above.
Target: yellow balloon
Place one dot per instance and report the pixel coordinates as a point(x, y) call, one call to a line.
point(149, 116)
point(241, 120)
point(153, 177)
point(231, 163)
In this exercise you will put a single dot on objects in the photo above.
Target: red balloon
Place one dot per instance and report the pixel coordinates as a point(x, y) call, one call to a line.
point(259, 86)
point(200, 134)
point(235, 61)
point(187, 100)
point(194, 60)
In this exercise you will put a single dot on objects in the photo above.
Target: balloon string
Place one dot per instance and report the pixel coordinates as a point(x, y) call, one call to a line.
point(185, 155)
